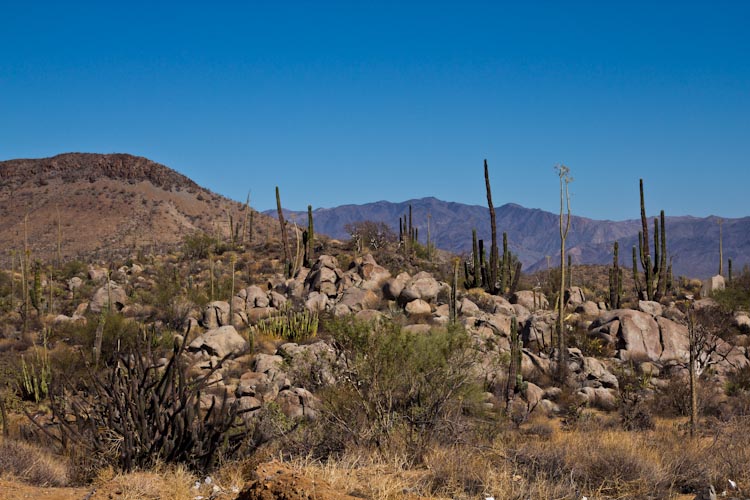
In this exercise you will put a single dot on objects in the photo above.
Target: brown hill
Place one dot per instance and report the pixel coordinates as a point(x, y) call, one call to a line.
point(105, 205)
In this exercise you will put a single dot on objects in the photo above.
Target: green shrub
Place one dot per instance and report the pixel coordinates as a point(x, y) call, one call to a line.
point(198, 246)
point(400, 391)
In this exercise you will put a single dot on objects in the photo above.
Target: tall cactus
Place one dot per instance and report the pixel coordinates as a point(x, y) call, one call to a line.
point(310, 233)
point(655, 271)
point(615, 279)
point(473, 274)
point(492, 272)
point(515, 379)
point(284, 239)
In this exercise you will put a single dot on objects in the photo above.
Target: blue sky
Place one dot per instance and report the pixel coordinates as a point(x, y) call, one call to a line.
point(352, 102)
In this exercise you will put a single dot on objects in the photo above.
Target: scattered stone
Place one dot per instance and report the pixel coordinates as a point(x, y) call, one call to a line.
point(219, 342)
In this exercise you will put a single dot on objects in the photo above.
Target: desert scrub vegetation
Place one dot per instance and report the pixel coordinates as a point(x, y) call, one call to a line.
point(398, 391)
point(141, 411)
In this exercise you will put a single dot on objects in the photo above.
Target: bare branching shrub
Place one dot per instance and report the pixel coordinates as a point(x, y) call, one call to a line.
point(138, 413)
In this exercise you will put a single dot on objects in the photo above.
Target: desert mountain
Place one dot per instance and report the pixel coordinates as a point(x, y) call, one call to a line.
point(693, 243)
point(106, 204)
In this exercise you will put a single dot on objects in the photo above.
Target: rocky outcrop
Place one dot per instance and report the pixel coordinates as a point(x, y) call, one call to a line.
point(638, 336)
point(219, 342)
point(111, 291)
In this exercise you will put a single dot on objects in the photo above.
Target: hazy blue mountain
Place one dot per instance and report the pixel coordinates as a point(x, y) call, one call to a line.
point(693, 243)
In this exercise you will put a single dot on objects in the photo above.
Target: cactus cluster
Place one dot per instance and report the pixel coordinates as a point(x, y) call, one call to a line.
point(498, 276)
point(655, 271)
point(289, 325)
point(477, 271)
point(408, 234)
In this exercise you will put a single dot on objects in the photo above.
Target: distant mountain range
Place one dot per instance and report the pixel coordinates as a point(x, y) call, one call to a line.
point(692, 243)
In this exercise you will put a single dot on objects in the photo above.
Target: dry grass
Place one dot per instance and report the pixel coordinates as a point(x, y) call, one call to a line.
point(175, 483)
point(30, 464)
point(599, 463)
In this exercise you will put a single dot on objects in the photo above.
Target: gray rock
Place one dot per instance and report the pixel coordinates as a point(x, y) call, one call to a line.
point(369, 316)
point(538, 330)
point(418, 306)
point(530, 299)
point(588, 308)
point(595, 374)
point(74, 283)
point(574, 296)
point(255, 296)
point(215, 314)
point(712, 284)
point(101, 298)
point(650, 307)
point(219, 342)
point(467, 307)
point(317, 302)
point(358, 299)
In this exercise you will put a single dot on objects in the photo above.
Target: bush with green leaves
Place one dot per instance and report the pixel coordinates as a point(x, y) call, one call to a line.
point(400, 391)
point(198, 246)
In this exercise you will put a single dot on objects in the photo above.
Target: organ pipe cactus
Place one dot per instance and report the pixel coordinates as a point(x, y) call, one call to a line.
point(655, 271)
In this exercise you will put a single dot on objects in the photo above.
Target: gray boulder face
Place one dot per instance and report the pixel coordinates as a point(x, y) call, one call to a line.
point(74, 283)
point(255, 296)
point(650, 307)
point(588, 308)
point(394, 286)
point(358, 299)
point(317, 302)
point(538, 330)
point(574, 296)
point(324, 277)
point(468, 308)
point(418, 307)
point(422, 286)
point(310, 363)
point(595, 374)
point(371, 275)
point(297, 403)
point(530, 299)
point(215, 314)
point(98, 274)
point(101, 298)
point(742, 321)
point(713, 284)
point(638, 336)
point(219, 342)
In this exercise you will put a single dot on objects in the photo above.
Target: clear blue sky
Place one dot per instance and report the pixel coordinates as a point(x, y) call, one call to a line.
point(347, 103)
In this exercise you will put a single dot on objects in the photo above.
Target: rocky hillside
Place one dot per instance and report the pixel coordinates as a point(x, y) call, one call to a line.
point(533, 233)
point(105, 203)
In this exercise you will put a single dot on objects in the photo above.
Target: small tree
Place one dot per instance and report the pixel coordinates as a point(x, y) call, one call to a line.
point(563, 173)
point(706, 348)
point(375, 235)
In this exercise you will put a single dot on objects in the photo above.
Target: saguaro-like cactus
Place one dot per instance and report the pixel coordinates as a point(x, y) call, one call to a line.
point(284, 239)
point(515, 379)
point(615, 279)
point(492, 272)
point(655, 272)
